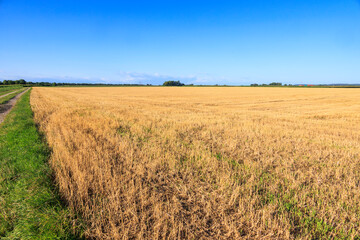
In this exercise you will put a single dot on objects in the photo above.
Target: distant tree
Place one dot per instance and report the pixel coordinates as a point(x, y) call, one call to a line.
point(275, 84)
point(8, 82)
point(53, 84)
point(173, 83)
point(22, 81)
point(254, 85)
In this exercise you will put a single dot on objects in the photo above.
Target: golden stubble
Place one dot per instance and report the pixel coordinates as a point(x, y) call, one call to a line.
point(218, 163)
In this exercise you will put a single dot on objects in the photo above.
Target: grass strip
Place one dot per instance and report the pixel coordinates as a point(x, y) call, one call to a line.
point(30, 207)
point(5, 90)
point(7, 98)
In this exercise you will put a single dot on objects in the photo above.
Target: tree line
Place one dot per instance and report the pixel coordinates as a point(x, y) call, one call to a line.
point(270, 84)
point(25, 83)
point(12, 82)
point(29, 84)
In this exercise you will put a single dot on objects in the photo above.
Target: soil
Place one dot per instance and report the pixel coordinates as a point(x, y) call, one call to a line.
point(6, 107)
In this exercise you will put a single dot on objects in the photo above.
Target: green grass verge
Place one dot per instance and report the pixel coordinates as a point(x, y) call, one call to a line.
point(7, 89)
point(30, 207)
point(7, 98)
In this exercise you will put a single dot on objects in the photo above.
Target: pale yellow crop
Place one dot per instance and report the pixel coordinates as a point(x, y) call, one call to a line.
point(206, 163)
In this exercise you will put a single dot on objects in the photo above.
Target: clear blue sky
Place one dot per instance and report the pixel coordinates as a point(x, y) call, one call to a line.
point(206, 42)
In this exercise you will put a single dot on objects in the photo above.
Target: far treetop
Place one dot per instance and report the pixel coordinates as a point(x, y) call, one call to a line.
point(173, 83)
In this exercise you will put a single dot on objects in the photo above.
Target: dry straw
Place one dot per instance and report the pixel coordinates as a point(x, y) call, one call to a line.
point(208, 163)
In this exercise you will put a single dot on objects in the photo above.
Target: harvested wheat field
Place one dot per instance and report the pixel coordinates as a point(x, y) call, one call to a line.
point(206, 163)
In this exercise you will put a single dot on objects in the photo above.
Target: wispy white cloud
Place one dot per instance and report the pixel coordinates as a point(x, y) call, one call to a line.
point(153, 78)
point(50, 78)
point(156, 78)
point(122, 77)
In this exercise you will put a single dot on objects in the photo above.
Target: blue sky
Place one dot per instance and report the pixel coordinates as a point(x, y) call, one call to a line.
point(201, 42)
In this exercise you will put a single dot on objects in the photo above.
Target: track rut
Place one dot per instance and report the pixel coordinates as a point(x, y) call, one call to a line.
point(6, 107)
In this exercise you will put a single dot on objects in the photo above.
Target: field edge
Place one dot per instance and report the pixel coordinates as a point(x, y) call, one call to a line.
point(30, 206)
